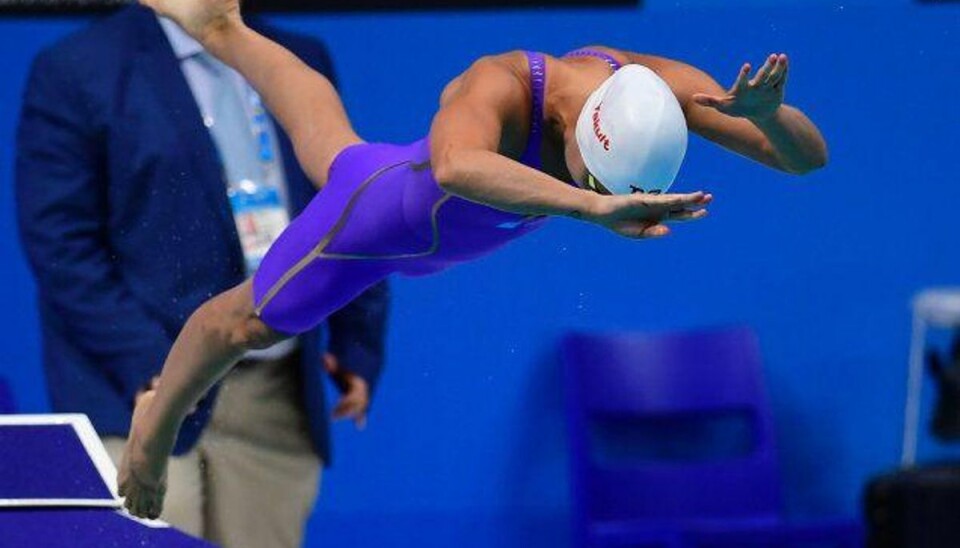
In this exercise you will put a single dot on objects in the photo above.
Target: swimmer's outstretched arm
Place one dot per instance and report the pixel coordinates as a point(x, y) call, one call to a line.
point(465, 139)
point(750, 118)
point(303, 101)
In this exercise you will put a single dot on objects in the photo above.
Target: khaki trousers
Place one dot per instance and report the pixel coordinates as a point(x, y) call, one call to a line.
point(252, 478)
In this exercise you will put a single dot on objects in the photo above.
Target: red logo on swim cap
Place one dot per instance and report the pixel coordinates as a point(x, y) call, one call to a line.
point(601, 136)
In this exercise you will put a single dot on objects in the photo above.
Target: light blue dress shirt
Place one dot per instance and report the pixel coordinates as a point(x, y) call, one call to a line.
point(204, 76)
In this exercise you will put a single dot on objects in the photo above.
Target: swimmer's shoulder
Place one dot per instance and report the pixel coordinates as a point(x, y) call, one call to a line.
point(513, 62)
point(505, 74)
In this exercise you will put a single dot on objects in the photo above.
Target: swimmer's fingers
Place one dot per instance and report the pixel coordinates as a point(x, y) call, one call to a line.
point(743, 79)
point(686, 215)
point(778, 76)
point(659, 229)
point(764, 72)
point(658, 208)
point(721, 102)
point(643, 215)
point(665, 203)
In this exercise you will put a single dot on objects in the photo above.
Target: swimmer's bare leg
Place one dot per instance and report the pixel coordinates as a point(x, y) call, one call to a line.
point(212, 341)
point(304, 101)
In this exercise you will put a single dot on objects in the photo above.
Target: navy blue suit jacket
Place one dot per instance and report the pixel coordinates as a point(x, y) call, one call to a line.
point(125, 220)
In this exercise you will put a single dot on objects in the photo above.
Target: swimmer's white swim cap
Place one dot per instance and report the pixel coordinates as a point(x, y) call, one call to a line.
point(632, 133)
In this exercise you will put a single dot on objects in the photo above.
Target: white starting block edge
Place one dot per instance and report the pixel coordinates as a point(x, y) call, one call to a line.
point(152, 523)
point(94, 448)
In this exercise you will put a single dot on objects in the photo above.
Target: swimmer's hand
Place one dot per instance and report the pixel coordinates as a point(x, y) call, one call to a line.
point(755, 98)
point(354, 392)
point(201, 19)
point(143, 471)
point(645, 215)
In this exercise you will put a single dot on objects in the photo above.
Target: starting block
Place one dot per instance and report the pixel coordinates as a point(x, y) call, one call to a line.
point(58, 489)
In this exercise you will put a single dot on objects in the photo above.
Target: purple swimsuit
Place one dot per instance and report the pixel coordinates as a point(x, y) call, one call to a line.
point(383, 212)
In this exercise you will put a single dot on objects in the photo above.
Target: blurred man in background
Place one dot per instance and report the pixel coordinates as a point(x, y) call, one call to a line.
point(149, 178)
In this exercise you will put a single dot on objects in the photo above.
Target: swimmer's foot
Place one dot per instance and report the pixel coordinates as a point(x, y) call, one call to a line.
point(142, 478)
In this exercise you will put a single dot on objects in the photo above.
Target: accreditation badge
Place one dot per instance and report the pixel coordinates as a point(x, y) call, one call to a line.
point(260, 216)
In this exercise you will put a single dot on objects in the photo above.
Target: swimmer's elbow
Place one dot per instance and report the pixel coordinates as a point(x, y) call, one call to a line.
point(812, 162)
point(802, 169)
point(460, 170)
point(448, 170)
point(443, 174)
point(821, 160)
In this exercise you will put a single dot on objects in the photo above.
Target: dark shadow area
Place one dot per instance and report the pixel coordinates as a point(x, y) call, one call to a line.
point(672, 438)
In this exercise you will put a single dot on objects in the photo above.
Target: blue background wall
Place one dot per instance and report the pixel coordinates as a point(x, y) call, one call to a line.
point(465, 444)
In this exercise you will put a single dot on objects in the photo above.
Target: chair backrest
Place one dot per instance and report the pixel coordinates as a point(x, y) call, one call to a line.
point(669, 379)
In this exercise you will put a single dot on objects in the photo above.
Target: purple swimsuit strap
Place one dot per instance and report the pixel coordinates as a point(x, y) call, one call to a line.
point(538, 83)
point(587, 52)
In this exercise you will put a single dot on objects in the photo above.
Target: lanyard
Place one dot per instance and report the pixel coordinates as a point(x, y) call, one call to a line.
point(260, 127)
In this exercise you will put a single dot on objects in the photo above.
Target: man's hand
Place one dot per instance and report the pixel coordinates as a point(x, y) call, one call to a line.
point(644, 215)
point(148, 388)
point(201, 19)
point(757, 98)
point(354, 392)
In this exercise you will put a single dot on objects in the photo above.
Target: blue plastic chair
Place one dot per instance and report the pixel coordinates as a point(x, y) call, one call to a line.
point(733, 499)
